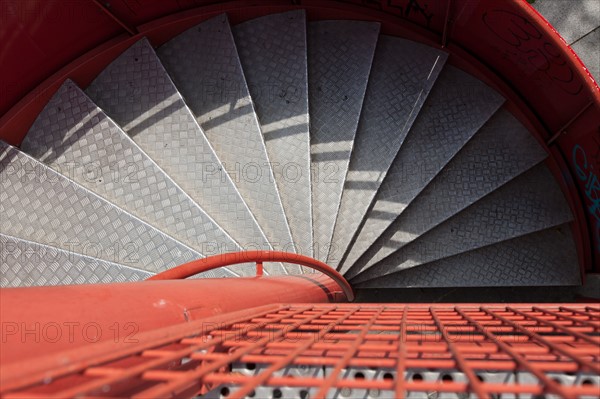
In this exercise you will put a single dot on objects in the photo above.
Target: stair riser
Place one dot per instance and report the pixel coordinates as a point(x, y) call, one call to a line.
point(48, 208)
point(339, 52)
point(398, 87)
point(272, 51)
point(137, 93)
point(455, 110)
point(205, 66)
point(502, 150)
point(530, 203)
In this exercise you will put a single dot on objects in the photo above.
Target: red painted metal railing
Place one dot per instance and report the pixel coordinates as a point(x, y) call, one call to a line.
point(258, 257)
point(348, 350)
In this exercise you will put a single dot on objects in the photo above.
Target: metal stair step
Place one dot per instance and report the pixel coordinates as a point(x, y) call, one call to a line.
point(74, 137)
point(362, 150)
point(206, 69)
point(529, 203)
point(25, 263)
point(272, 51)
point(41, 205)
point(136, 92)
point(545, 258)
point(402, 75)
point(457, 107)
point(500, 151)
point(340, 54)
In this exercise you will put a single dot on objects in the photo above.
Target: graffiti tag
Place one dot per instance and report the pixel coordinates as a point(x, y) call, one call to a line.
point(532, 51)
point(585, 173)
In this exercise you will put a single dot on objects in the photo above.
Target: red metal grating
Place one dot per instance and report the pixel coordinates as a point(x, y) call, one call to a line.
point(338, 351)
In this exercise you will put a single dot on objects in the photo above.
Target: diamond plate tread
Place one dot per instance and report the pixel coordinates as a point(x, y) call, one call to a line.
point(544, 258)
point(500, 151)
point(457, 107)
point(340, 54)
point(402, 76)
point(136, 92)
point(41, 205)
point(24, 263)
point(74, 137)
point(272, 51)
point(529, 203)
point(205, 66)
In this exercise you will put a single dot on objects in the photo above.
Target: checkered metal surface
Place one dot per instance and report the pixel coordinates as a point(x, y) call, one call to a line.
point(529, 203)
point(136, 91)
point(402, 75)
point(24, 263)
point(205, 66)
point(340, 54)
point(322, 138)
point(500, 151)
point(544, 258)
point(74, 137)
point(272, 51)
point(43, 206)
point(455, 110)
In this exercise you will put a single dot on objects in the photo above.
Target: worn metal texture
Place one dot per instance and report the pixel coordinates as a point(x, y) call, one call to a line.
point(136, 92)
point(529, 203)
point(340, 54)
point(455, 110)
point(74, 137)
point(272, 51)
point(402, 75)
point(40, 205)
point(205, 67)
point(24, 264)
point(500, 151)
point(544, 258)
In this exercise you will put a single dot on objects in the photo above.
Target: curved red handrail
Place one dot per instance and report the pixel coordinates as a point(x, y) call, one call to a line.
point(259, 257)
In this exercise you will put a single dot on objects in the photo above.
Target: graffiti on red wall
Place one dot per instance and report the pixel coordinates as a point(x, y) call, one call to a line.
point(585, 169)
point(531, 51)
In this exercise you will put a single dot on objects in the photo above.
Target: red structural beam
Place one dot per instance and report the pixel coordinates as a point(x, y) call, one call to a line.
point(46, 320)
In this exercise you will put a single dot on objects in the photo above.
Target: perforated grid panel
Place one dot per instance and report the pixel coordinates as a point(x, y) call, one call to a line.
point(346, 350)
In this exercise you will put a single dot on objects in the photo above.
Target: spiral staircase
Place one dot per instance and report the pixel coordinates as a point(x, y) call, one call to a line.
point(290, 157)
point(324, 138)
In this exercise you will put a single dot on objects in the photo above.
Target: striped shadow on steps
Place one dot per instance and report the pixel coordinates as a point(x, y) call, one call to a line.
point(402, 75)
point(340, 54)
point(204, 64)
point(74, 137)
point(531, 202)
point(500, 151)
point(136, 91)
point(457, 107)
point(544, 258)
point(43, 206)
point(272, 51)
point(26, 263)
point(407, 171)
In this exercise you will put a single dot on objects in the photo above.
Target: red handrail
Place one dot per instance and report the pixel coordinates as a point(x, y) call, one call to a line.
point(259, 257)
